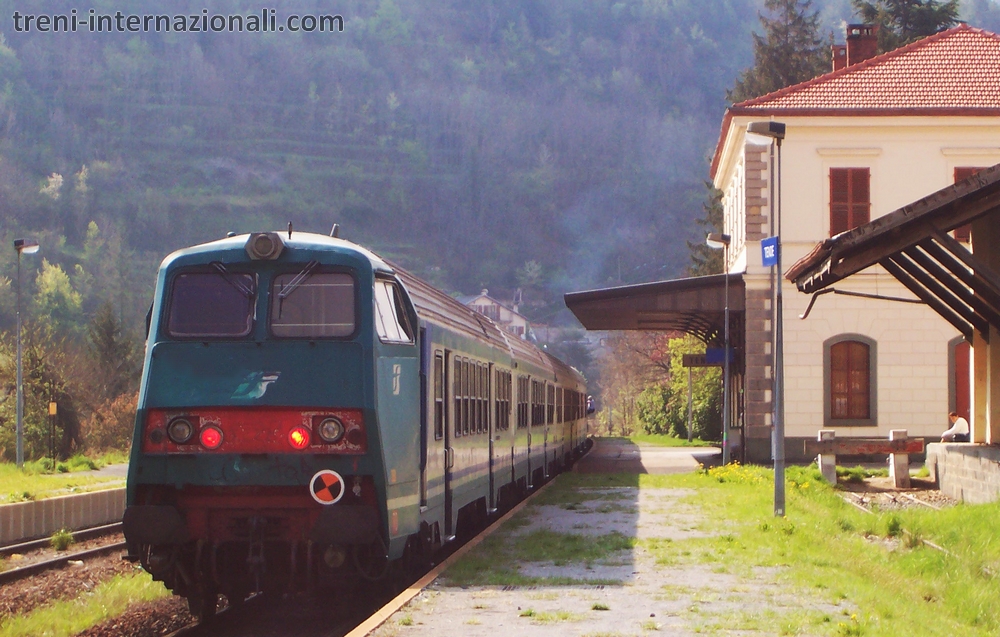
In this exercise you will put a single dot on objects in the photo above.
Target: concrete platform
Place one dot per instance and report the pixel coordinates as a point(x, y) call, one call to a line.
point(617, 455)
point(628, 590)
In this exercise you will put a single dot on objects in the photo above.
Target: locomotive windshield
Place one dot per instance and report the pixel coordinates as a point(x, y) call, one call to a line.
point(321, 305)
point(211, 304)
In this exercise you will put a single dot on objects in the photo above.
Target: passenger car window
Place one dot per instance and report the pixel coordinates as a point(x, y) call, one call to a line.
point(391, 322)
point(320, 306)
point(211, 305)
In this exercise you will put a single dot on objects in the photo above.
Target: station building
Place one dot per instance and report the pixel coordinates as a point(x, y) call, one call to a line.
point(868, 138)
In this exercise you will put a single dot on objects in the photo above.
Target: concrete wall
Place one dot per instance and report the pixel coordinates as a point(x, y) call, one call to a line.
point(970, 473)
point(32, 520)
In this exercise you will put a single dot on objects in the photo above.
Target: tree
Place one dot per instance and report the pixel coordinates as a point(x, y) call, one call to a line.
point(706, 260)
point(113, 354)
point(662, 408)
point(56, 301)
point(903, 21)
point(48, 364)
point(790, 50)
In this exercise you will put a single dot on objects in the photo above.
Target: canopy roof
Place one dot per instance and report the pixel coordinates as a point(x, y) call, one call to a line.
point(693, 305)
point(913, 245)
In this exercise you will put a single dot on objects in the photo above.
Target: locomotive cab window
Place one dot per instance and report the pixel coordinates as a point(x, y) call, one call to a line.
point(391, 321)
point(211, 305)
point(320, 306)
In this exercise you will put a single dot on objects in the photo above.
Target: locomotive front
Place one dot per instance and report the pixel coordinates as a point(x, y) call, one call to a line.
point(256, 460)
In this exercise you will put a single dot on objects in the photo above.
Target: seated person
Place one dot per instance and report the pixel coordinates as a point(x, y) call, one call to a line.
point(959, 431)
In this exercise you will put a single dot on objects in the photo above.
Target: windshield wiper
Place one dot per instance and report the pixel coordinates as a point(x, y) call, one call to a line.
point(233, 280)
point(296, 281)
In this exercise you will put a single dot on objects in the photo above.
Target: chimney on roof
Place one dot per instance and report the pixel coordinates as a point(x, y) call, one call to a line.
point(862, 42)
point(839, 56)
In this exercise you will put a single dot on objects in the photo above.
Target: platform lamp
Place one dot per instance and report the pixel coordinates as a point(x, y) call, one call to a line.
point(718, 240)
point(27, 246)
point(776, 131)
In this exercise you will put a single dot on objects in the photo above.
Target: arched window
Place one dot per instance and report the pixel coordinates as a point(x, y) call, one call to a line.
point(849, 371)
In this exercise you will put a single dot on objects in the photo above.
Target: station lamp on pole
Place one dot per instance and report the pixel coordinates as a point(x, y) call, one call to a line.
point(718, 241)
point(27, 246)
point(776, 131)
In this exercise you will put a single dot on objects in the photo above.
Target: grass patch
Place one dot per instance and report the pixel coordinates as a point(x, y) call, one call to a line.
point(600, 606)
point(69, 617)
point(566, 548)
point(663, 440)
point(822, 549)
point(38, 480)
point(858, 474)
point(539, 617)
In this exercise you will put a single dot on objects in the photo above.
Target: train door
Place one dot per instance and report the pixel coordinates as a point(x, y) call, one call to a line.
point(425, 424)
point(529, 390)
point(550, 393)
point(449, 453)
point(490, 390)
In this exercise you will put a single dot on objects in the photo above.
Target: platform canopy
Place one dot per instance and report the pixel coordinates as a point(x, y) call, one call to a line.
point(914, 246)
point(694, 305)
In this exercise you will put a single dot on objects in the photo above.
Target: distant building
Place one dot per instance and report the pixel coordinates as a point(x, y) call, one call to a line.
point(506, 317)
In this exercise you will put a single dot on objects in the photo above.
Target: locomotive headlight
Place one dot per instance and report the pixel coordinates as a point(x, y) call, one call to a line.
point(211, 437)
point(264, 246)
point(331, 430)
point(180, 430)
point(298, 438)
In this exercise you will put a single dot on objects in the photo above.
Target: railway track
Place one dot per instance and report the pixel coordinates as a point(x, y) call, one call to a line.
point(34, 568)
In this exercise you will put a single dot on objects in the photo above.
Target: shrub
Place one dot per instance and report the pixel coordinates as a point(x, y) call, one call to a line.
point(110, 426)
point(61, 540)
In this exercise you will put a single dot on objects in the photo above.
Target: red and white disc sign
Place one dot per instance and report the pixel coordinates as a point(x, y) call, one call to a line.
point(326, 487)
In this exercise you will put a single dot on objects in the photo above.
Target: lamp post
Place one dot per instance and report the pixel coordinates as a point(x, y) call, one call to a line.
point(27, 246)
point(776, 131)
point(718, 240)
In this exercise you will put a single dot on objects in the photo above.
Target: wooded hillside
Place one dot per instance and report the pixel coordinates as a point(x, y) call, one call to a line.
point(463, 139)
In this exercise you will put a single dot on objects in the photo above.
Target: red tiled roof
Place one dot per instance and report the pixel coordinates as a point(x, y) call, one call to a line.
point(955, 72)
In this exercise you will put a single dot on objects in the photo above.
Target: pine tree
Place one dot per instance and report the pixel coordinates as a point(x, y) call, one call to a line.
point(903, 21)
point(790, 51)
point(114, 354)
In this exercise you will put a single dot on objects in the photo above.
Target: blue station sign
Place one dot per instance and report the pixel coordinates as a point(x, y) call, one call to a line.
point(769, 251)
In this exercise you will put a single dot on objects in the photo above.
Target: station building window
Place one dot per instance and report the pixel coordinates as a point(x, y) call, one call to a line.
point(849, 366)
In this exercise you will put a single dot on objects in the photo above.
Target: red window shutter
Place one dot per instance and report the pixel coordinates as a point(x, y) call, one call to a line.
point(850, 198)
point(860, 197)
point(964, 233)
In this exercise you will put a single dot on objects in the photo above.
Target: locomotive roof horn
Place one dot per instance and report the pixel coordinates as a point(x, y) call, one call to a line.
point(264, 246)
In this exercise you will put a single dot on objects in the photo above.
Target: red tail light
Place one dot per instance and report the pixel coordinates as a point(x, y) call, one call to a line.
point(298, 438)
point(260, 430)
point(210, 437)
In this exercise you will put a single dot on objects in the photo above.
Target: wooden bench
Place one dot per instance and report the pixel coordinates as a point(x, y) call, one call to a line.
point(898, 446)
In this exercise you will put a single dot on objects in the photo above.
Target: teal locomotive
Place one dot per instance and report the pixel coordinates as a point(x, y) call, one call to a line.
point(310, 413)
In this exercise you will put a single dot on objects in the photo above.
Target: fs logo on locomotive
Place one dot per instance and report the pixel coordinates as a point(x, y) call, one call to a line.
point(254, 385)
